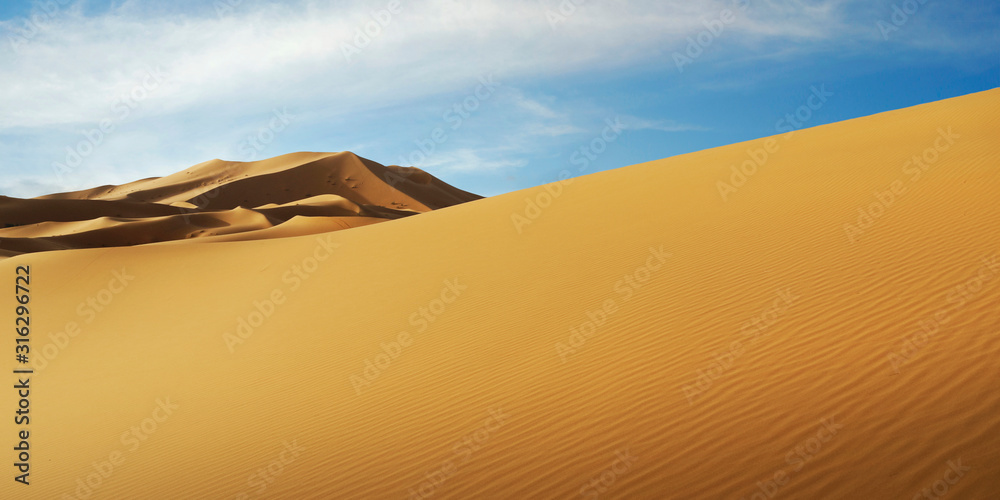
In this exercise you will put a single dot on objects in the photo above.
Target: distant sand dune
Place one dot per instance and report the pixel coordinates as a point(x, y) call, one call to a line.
point(218, 198)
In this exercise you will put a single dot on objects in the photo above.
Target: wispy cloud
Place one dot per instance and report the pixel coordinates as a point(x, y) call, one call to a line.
point(636, 123)
point(471, 160)
point(218, 72)
point(73, 70)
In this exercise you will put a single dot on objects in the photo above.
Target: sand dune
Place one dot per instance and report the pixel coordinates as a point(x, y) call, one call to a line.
point(824, 323)
point(224, 198)
point(219, 184)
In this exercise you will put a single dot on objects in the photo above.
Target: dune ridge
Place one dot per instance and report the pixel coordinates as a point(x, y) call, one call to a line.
point(643, 336)
point(238, 200)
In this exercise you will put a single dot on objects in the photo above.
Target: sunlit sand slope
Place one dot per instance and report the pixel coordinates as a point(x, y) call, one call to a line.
point(824, 325)
point(225, 199)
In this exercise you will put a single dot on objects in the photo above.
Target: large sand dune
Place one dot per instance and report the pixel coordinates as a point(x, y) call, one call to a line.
point(824, 324)
point(225, 201)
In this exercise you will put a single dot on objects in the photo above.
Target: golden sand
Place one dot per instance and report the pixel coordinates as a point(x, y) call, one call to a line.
point(830, 328)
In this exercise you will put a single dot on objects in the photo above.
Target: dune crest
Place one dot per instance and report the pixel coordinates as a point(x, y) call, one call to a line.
point(223, 198)
point(827, 328)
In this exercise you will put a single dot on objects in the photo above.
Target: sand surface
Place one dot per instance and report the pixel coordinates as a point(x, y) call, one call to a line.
point(237, 200)
point(827, 328)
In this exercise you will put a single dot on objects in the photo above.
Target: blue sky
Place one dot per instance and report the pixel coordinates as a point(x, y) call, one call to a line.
point(174, 85)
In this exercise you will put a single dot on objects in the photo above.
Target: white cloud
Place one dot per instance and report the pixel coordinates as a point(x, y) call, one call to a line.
point(471, 160)
point(636, 123)
point(72, 71)
point(534, 107)
point(28, 187)
point(222, 74)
